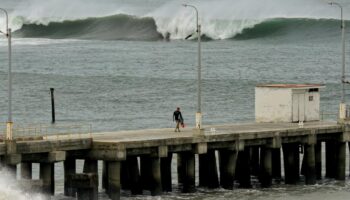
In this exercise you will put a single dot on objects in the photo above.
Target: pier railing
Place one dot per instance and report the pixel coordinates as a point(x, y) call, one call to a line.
point(48, 132)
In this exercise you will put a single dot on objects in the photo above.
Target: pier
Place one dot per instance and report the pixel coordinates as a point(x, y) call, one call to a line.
point(141, 160)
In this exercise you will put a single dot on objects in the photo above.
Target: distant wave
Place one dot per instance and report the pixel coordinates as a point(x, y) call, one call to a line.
point(291, 27)
point(127, 27)
point(116, 27)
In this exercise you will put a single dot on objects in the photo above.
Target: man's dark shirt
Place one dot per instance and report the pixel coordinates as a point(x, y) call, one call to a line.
point(177, 115)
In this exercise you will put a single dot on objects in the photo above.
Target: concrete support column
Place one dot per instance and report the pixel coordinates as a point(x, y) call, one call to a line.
point(165, 167)
point(213, 179)
point(203, 170)
point(85, 184)
point(318, 160)
point(266, 167)
point(255, 160)
point(146, 172)
point(125, 175)
point(330, 155)
point(91, 166)
point(188, 160)
point(156, 183)
point(291, 163)
point(105, 175)
point(134, 174)
point(349, 157)
point(340, 161)
point(26, 170)
point(114, 180)
point(227, 159)
point(310, 164)
point(276, 163)
point(47, 174)
point(69, 169)
point(243, 168)
point(180, 169)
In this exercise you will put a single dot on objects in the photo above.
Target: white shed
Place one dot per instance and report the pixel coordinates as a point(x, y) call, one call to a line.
point(287, 102)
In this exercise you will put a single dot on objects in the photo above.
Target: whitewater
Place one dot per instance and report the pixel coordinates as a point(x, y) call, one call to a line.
point(112, 67)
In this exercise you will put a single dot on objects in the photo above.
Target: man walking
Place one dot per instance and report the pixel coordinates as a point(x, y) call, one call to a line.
point(177, 117)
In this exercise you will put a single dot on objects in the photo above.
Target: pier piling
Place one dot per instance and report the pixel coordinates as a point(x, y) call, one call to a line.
point(105, 176)
point(47, 174)
point(85, 184)
point(134, 174)
point(203, 169)
point(165, 167)
point(276, 163)
point(266, 167)
point(330, 155)
point(227, 159)
point(188, 162)
point(318, 160)
point(114, 180)
point(340, 161)
point(255, 160)
point(146, 172)
point(291, 162)
point(243, 168)
point(156, 180)
point(91, 166)
point(26, 170)
point(310, 164)
point(69, 169)
point(212, 173)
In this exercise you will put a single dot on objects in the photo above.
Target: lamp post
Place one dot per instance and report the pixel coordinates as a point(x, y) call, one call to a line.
point(9, 123)
point(342, 106)
point(199, 88)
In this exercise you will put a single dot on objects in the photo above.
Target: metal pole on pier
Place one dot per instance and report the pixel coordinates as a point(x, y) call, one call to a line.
point(9, 123)
point(53, 105)
point(199, 88)
point(342, 106)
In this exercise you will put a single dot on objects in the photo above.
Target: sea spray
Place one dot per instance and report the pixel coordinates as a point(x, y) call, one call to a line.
point(10, 189)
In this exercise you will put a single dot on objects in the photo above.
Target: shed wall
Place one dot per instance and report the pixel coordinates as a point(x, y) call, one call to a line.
point(273, 104)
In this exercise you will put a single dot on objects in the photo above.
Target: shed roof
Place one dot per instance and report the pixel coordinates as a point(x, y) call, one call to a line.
point(292, 86)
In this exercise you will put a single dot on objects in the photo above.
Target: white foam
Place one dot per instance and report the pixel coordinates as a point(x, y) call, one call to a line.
point(9, 189)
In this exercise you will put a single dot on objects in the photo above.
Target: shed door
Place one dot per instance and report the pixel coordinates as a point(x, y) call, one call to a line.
point(298, 107)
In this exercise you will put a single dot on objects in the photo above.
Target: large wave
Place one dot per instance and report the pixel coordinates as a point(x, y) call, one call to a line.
point(127, 27)
point(116, 27)
point(158, 19)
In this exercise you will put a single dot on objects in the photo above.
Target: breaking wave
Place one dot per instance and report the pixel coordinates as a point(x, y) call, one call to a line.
point(128, 27)
point(116, 27)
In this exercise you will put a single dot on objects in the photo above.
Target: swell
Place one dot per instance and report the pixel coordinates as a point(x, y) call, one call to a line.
point(116, 27)
point(291, 27)
point(127, 27)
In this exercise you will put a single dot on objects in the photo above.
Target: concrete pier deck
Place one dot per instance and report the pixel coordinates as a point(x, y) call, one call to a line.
point(215, 130)
point(140, 160)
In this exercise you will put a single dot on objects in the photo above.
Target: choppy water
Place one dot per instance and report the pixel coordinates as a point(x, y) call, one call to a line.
point(111, 68)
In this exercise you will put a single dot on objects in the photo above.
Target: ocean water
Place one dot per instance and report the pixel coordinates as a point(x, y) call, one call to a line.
point(113, 67)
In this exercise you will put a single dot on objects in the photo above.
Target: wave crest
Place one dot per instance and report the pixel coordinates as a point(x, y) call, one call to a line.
point(127, 27)
point(116, 27)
